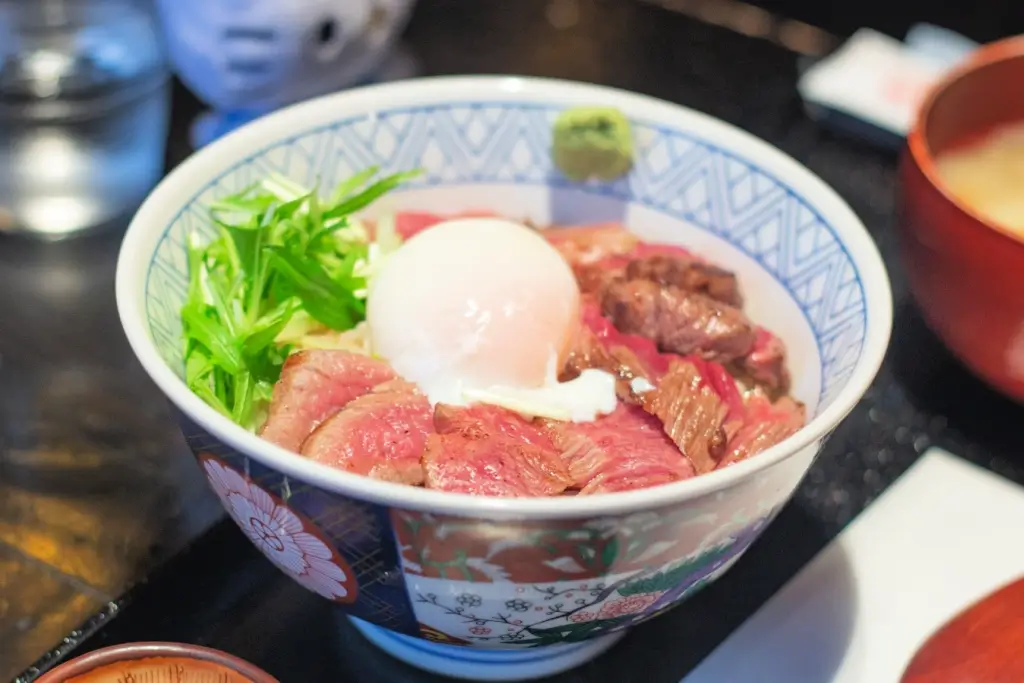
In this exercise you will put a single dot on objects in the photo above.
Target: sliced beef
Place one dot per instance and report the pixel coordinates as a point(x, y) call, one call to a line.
point(617, 360)
point(679, 321)
point(607, 242)
point(654, 363)
point(628, 357)
point(313, 386)
point(766, 362)
point(600, 255)
point(594, 278)
point(723, 384)
point(647, 249)
point(410, 223)
point(692, 414)
point(592, 243)
point(483, 420)
point(688, 274)
point(696, 401)
point(490, 451)
point(587, 352)
point(767, 424)
point(381, 434)
point(622, 451)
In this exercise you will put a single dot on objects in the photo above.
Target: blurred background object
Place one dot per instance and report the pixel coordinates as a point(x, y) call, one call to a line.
point(83, 113)
point(872, 85)
point(244, 58)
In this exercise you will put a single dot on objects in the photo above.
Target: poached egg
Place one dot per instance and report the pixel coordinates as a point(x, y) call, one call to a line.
point(484, 310)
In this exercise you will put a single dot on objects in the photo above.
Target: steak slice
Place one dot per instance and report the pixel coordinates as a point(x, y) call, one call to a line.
point(691, 413)
point(767, 424)
point(679, 321)
point(628, 357)
point(766, 362)
point(594, 278)
point(381, 434)
point(688, 274)
point(601, 255)
point(617, 360)
point(718, 379)
point(410, 223)
point(487, 450)
point(313, 386)
point(622, 451)
point(646, 249)
point(653, 361)
point(591, 243)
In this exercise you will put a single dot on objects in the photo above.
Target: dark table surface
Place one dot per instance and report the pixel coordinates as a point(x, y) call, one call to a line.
point(103, 514)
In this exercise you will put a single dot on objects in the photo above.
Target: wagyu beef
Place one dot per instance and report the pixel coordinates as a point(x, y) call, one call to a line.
point(592, 243)
point(411, 223)
point(620, 360)
point(766, 362)
point(381, 434)
point(692, 414)
point(652, 361)
point(487, 450)
point(594, 278)
point(625, 450)
point(599, 345)
point(767, 424)
point(679, 321)
point(688, 274)
point(408, 224)
point(315, 385)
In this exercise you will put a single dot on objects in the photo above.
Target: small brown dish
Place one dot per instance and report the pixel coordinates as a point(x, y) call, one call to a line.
point(157, 663)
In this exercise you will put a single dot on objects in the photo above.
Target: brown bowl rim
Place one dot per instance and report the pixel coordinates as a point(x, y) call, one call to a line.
point(131, 651)
point(917, 142)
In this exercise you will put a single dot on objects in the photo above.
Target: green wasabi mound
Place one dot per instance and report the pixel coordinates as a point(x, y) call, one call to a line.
point(593, 142)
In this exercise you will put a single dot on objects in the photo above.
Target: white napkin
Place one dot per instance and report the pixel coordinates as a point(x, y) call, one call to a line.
point(944, 535)
point(872, 77)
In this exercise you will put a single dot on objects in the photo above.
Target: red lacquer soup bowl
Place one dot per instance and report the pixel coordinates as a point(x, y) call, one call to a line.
point(967, 272)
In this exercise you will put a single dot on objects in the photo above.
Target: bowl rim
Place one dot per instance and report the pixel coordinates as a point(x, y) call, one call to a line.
point(126, 652)
point(150, 222)
point(918, 146)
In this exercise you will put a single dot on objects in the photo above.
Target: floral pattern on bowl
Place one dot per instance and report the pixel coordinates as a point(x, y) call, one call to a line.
point(532, 614)
point(292, 543)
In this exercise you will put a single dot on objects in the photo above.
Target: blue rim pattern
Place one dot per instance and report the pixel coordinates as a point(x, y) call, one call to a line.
point(676, 173)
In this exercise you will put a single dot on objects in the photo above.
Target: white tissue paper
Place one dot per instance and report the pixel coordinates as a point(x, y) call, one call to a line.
point(946, 534)
point(879, 79)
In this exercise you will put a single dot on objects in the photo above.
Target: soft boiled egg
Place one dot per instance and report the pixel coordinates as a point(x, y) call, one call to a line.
point(484, 310)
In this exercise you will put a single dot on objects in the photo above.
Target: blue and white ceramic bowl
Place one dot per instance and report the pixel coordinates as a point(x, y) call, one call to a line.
point(499, 589)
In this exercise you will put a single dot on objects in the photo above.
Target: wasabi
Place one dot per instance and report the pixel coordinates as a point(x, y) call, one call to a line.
point(593, 142)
